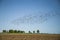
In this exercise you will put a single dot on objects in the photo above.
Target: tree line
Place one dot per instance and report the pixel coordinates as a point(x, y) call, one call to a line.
point(19, 31)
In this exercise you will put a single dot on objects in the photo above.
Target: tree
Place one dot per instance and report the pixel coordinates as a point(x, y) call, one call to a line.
point(4, 31)
point(38, 31)
point(33, 31)
point(22, 31)
point(19, 31)
point(30, 32)
point(15, 31)
point(11, 31)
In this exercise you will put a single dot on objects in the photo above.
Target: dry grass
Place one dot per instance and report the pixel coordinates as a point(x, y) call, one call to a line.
point(17, 36)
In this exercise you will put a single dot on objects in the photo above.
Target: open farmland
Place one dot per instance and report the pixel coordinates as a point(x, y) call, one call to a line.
point(17, 36)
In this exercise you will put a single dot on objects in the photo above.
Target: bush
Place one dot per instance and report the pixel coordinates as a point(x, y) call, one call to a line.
point(15, 31)
point(22, 31)
point(4, 31)
point(19, 31)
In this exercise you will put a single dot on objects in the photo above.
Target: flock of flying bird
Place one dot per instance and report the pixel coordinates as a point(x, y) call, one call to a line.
point(33, 19)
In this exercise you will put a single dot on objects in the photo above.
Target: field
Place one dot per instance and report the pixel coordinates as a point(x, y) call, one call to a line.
point(17, 36)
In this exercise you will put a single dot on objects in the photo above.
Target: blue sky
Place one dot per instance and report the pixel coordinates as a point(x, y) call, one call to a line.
point(30, 15)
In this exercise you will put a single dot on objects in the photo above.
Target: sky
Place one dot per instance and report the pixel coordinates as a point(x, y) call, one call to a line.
point(30, 15)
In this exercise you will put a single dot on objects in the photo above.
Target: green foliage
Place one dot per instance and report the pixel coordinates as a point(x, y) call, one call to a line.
point(38, 31)
point(30, 32)
point(22, 32)
point(15, 31)
point(11, 31)
point(19, 31)
point(33, 31)
point(4, 31)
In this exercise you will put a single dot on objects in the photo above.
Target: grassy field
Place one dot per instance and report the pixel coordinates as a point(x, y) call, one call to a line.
point(17, 36)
